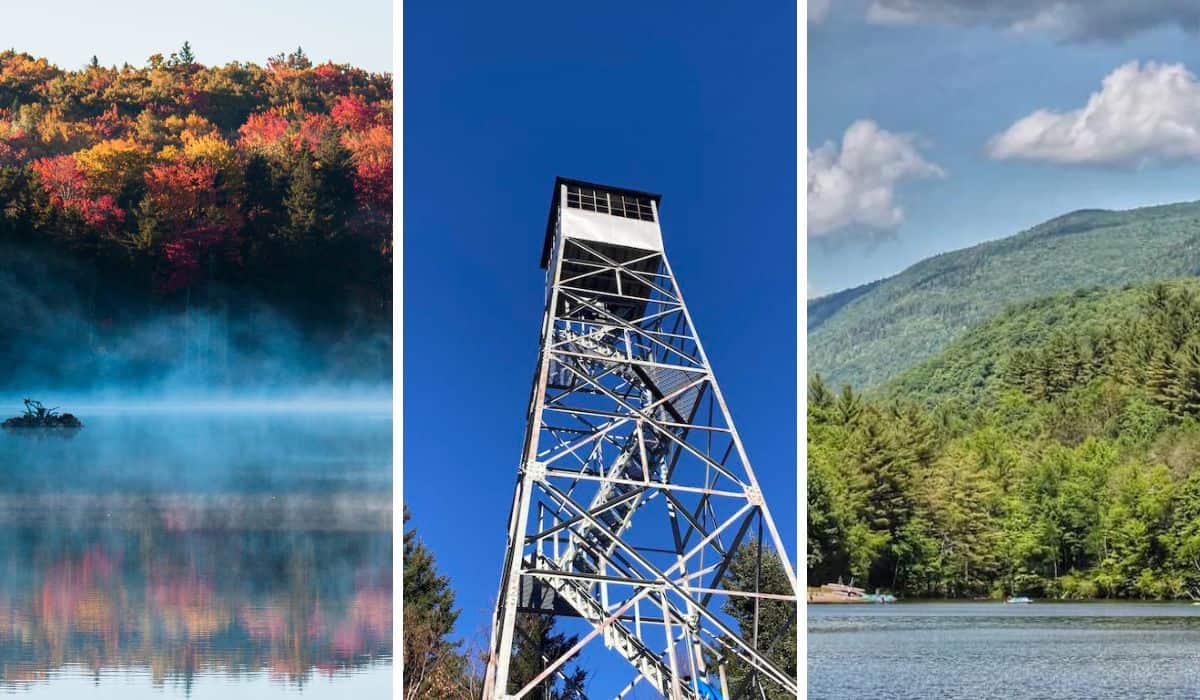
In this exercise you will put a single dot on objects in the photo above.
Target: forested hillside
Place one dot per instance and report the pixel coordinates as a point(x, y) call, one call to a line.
point(972, 368)
point(867, 335)
point(178, 216)
point(1054, 452)
point(275, 178)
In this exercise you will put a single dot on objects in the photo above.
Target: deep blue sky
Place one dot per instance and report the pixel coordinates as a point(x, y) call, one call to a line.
point(695, 101)
point(954, 87)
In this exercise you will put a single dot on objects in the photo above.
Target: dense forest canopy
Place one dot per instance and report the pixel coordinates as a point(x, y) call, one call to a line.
point(1054, 451)
point(129, 192)
point(274, 177)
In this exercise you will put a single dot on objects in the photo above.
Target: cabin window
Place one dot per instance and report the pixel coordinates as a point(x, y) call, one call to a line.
point(623, 205)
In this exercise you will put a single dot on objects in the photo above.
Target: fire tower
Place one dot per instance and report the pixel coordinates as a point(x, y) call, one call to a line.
point(634, 492)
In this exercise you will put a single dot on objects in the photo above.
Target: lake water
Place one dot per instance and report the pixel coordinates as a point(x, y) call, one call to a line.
point(198, 553)
point(993, 650)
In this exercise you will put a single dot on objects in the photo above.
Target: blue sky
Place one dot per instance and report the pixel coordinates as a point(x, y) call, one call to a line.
point(346, 31)
point(694, 102)
point(956, 73)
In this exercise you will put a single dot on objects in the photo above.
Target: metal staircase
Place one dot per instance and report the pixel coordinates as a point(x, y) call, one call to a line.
point(616, 636)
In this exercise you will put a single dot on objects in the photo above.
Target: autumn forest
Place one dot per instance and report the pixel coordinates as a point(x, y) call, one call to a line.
point(176, 185)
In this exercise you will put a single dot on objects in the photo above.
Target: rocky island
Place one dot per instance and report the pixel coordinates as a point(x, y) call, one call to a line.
point(38, 416)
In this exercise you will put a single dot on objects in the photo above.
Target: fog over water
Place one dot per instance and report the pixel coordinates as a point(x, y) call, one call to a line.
point(221, 525)
point(69, 331)
point(203, 452)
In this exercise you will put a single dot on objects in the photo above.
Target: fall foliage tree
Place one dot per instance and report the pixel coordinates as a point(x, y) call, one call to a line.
point(187, 175)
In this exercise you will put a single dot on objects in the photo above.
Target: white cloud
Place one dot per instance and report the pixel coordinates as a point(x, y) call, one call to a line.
point(1139, 116)
point(854, 188)
point(1070, 20)
point(818, 10)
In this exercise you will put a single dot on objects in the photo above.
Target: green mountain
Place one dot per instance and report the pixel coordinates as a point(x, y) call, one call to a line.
point(1051, 451)
point(869, 334)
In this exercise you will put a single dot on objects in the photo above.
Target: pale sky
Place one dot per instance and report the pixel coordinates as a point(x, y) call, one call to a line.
point(937, 124)
point(70, 32)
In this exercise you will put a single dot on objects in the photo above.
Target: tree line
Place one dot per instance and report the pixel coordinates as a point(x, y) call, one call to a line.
point(1075, 475)
point(178, 176)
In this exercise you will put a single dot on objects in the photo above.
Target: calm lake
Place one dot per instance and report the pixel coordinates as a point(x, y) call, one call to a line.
point(198, 551)
point(993, 650)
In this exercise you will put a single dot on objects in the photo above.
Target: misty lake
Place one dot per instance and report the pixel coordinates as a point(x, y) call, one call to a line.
point(202, 551)
point(993, 650)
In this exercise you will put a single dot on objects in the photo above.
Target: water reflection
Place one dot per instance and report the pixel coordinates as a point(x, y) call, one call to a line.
point(255, 548)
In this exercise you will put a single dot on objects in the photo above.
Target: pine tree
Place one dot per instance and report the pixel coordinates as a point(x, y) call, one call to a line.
point(848, 407)
point(916, 433)
point(184, 57)
point(886, 503)
point(307, 216)
point(298, 59)
point(433, 665)
point(1160, 379)
point(884, 472)
point(958, 499)
point(820, 398)
point(1185, 388)
point(1017, 372)
point(776, 632)
point(535, 644)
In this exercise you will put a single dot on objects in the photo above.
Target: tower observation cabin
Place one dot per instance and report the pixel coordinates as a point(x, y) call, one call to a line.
point(620, 224)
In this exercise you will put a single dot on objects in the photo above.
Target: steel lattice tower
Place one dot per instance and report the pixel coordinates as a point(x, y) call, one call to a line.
point(633, 491)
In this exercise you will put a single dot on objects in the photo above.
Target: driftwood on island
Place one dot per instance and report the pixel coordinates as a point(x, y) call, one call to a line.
point(38, 416)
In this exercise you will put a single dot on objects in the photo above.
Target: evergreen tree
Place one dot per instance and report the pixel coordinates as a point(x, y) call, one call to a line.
point(886, 503)
point(848, 406)
point(776, 629)
point(535, 645)
point(820, 398)
point(1184, 391)
point(1183, 535)
point(308, 218)
point(298, 59)
point(1161, 379)
point(433, 665)
point(959, 504)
